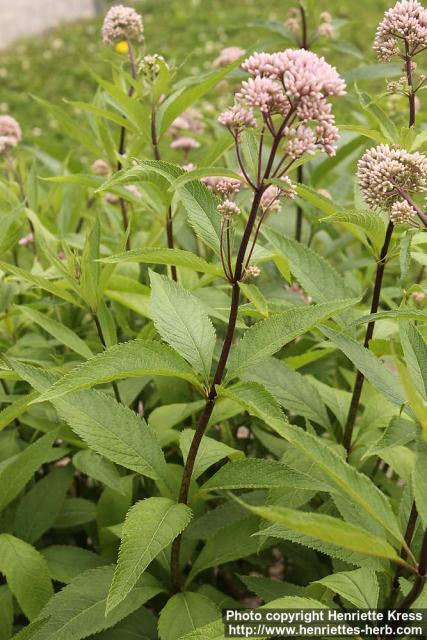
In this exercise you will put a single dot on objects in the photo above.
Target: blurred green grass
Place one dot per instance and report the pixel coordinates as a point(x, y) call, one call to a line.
point(190, 33)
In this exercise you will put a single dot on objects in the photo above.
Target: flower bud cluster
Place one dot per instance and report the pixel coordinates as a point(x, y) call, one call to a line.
point(10, 133)
point(122, 23)
point(406, 22)
point(385, 173)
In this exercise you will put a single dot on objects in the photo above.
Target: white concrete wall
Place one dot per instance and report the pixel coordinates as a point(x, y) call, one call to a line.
point(27, 17)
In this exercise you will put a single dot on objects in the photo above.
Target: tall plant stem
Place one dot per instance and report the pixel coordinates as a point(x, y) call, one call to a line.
point(212, 394)
point(298, 222)
point(169, 219)
point(409, 534)
point(300, 170)
point(104, 346)
point(420, 579)
point(360, 378)
point(122, 144)
point(411, 95)
point(304, 39)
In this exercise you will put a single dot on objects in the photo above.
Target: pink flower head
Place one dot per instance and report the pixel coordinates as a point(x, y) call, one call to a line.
point(294, 82)
point(101, 168)
point(300, 141)
point(406, 22)
point(384, 171)
point(228, 56)
point(228, 209)
point(189, 120)
point(184, 143)
point(10, 133)
point(26, 240)
point(401, 212)
point(237, 118)
point(222, 185)
point(270, 197)
point(264, 93)
point(122, 23)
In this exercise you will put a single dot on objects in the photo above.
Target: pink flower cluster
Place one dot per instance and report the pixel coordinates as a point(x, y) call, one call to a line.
point(294, 84)
point(406, 22)
point(228, 56)
point(222, 185)
point(122, 23)
point(185, 144)
point(189, 120)
point(270, 198)
point(10, 133)
point(385, 173)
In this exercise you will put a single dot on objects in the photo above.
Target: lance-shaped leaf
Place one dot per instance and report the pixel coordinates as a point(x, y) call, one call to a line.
point(330, 530)
point(150, 526)
point(256, 473)
point(360, 587)
point(200, 204)
point(371, 366)
point(316, 276)
point(210, 451)
point(17, 471)
point(182, 323)
point(78, 610)
point(58, 330)
point(356, 221)
point(26, 573)
point(415, 350)
point(109, 428)
point(323, 463)
point(268, 336)
point(132, 359)
point(184, 613)
point(177, 257)
point(186, 95)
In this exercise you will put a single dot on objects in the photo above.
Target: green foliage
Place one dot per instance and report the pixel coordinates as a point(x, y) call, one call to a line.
point(149, 527)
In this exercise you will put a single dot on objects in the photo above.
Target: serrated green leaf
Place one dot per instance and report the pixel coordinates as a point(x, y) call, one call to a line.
point(369, 222)
point(99, 468)
point(182, 323)
point(268, 336)
point(39, 508)
point(177, 257)
point(66, 562)
point(150, 526)
point(292, 390)
point(371, 366)
point(26, 574)
point(255, 296)
point(210, 451)
point(75, 512)
point(78, 610)
point(58, 330)
point(230, 543)
point(316, 276)
point(330, 530)
point(415, 351)
point(322, 462)
point(260, 474)
point(360, 587)
point(109, 428)
point(132, 359)
point(17, 471)
point(184, 613)
point(40, 282)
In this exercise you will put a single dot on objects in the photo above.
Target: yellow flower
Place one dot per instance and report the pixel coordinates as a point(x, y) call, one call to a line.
point(122, 47)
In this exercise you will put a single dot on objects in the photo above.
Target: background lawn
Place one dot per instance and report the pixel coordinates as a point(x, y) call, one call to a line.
point(188, 33)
